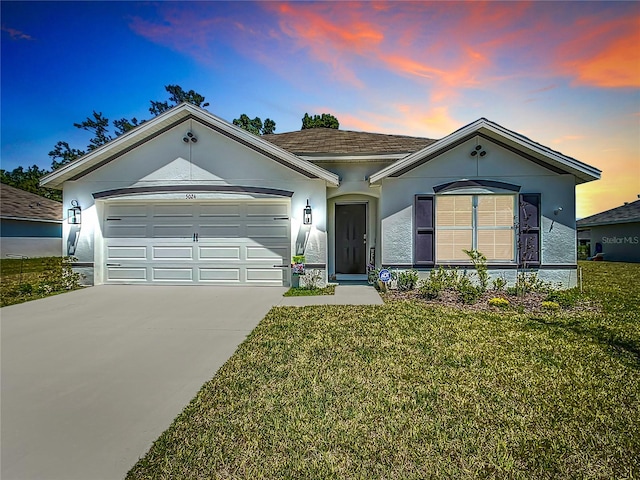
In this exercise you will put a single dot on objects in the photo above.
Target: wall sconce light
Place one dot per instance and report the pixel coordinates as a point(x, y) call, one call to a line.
point(74, 214)
point(306, 216)
point(478, 151)
point(557, 210)
point(189, 137)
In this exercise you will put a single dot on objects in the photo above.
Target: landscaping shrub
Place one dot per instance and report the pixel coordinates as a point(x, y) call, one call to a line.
point(526, 283)
point(480, 264)
point(547, 305)
point(467, 291)
point(499, 283)
point(407, 280)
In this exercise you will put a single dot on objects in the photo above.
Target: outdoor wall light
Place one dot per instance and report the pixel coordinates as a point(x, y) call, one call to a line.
point(189, 137)
point(74, 214)
point(306, 214)
point(478, 150)
point(557, 210)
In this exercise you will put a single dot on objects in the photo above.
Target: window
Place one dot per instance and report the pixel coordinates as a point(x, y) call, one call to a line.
point(481, 222)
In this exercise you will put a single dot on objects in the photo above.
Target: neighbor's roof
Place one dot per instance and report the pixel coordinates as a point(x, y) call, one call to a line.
point(168, 120)
point(523, 146)
point(315, 141)
point(627, 213)
point(18, 204)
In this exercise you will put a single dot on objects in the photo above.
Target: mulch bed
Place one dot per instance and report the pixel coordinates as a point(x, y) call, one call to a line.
point(529, 303)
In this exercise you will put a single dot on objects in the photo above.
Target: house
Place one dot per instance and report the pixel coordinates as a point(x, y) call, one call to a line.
point(188, 198)
point(30, 225)
point(615, 233)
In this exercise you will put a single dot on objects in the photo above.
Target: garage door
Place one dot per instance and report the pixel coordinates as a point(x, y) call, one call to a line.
point(223, 243)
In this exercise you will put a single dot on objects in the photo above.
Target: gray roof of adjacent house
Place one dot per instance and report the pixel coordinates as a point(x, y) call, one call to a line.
point(627, 213)
point(19, 204)
point(315, 141)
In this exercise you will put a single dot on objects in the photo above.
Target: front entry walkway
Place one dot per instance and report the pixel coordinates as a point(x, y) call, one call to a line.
point(345, 295)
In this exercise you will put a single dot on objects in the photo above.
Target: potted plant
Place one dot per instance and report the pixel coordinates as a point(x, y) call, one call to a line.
point(297, 269)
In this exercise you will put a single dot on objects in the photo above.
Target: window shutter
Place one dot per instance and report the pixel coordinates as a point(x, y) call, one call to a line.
point(529, 229)
point(424, 234)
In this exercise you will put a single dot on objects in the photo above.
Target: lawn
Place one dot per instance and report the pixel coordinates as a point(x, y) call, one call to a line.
point(33, 278)
point(408, 390)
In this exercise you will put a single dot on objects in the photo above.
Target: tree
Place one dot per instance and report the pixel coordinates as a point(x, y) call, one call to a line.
point(98, 125)
point(62, 154)
point(326, 120)
point(29, 180)
point(178, 96)
point(255, 125)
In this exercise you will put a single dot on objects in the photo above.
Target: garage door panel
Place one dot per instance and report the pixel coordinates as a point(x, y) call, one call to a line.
point(173, 231)
point(172, 253)
point(181, 210)
point(126, 253)
point(172, 274)
point(276, 254)
point(220, 231)
point(129, 274)
point(220, 210)
point(220, 275)
point(267, 231)
point(260, 275)
point(121, 230)
point(119, 211)
point(224, 253)
point(267, 210)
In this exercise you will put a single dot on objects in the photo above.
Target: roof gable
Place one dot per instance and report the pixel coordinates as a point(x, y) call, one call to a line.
point(166, 121)
point(22, 205)
point(508, 139)
point(627, 213)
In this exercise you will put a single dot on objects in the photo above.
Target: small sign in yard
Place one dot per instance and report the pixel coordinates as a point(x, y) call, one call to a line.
point(384, 275)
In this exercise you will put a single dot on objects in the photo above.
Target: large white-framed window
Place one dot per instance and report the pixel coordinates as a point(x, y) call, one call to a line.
point(483, 222)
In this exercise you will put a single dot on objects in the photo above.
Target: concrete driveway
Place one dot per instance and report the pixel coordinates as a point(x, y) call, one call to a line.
point(91, 378)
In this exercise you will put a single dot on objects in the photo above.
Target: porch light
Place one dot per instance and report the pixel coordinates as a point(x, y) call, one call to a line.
point(306, 216)
point(74, 214)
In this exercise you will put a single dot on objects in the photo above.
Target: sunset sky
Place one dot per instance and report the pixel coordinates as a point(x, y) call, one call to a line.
point(565, 74)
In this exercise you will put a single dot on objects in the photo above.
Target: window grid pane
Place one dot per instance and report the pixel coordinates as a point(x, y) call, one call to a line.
point(489, 226)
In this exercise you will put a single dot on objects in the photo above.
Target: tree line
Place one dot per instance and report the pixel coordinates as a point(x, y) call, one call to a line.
point(103, 131)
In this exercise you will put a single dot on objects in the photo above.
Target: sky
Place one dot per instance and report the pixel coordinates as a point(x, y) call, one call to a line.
point(564, 74)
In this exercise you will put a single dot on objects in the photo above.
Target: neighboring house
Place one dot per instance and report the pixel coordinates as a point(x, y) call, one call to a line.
point(190, 198)
point(615, 233)
point(30, 225)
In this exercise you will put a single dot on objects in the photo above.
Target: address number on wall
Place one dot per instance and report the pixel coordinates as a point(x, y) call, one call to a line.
point(190, 196)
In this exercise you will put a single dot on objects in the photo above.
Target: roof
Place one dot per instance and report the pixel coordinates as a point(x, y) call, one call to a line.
point(168, 120)
point(497, 134)
point(315, 141)
point(627, 213)
point(19, 204)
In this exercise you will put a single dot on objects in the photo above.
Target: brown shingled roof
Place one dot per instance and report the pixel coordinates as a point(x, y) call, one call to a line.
point(16, 203)
point(330, 140)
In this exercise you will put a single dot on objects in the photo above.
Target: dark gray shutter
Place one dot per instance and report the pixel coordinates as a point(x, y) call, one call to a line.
point(529, 229)
point(424, 232)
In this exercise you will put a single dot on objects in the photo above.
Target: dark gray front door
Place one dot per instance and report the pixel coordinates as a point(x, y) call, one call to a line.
point(351, 242)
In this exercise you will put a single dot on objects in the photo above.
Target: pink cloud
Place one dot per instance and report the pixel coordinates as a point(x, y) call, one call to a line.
point(16, 34)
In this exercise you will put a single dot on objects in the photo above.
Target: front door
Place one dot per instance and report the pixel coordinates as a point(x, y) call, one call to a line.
point(351, 238)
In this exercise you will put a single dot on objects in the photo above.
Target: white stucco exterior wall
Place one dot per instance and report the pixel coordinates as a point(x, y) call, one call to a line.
point(214, 160)
point(557, 236)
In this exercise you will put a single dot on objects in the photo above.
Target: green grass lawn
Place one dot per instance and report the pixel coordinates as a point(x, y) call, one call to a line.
point(308, 292)
point(33, 278)
point(406, 390)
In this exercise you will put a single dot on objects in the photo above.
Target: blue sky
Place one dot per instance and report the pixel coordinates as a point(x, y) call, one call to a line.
point(566, 74)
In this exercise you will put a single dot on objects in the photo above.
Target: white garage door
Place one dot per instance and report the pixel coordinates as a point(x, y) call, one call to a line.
point(223, 243)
